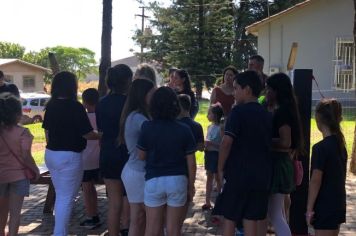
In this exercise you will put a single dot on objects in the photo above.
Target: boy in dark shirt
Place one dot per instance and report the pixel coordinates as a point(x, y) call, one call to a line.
point(184, 117)
point(243, 158)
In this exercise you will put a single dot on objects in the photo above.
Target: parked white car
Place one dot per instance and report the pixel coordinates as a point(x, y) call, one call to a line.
point(33, 106)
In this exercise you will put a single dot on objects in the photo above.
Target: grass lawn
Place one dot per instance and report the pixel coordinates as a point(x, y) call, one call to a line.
point(347, 126)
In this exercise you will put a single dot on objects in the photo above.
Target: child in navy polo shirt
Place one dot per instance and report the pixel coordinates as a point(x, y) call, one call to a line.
point(243, 158)
point(184, 117)
point(168, 146)
point(195, 127)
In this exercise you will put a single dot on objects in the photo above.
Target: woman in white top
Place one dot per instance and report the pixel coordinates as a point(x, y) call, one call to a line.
point(133, 175)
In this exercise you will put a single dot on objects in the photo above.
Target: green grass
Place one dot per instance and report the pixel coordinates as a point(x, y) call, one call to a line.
point(347, 127)
point(37, 131)
point(38, 157)
point(203, 120)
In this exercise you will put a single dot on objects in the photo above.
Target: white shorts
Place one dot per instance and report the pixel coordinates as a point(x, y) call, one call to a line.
point(170, 190)
point(134, 182)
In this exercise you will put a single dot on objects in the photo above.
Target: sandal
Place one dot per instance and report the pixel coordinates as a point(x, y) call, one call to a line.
point(206, 207)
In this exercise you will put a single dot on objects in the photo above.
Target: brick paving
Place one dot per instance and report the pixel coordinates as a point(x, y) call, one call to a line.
point(33, 222)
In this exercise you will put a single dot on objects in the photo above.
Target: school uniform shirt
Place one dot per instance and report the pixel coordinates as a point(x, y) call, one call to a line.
point(195, 127)
point(66, 122)
point(108, 113)
point(194, 108)
point(92, 151)
point(248, 163)
point(166, 143)
point(112, 156)
point(327, 157)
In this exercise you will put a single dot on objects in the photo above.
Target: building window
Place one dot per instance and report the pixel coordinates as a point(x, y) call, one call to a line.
point(344, 73)
point(9, 78)
point(29, 81)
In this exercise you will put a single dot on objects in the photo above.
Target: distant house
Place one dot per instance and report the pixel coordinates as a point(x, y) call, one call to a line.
point(323, 30)
point(27, 77)
point(132, 62)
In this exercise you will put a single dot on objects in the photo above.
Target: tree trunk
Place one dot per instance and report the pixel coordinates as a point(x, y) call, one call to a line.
point(105, 61)
point(353, 154)
point(53, 63)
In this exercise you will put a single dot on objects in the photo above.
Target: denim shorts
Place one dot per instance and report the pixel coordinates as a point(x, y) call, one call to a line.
point(20, 188)
point(170, 190)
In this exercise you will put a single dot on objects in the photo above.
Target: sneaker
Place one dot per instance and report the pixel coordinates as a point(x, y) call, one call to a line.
point(91, 223)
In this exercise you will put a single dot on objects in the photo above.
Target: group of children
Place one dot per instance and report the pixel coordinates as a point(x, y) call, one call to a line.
point(248, 153)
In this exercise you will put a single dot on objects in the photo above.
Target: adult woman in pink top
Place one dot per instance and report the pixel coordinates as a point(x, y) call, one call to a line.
point(15, 143)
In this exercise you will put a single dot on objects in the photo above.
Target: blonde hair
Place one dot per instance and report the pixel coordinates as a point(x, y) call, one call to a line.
point(145, 71)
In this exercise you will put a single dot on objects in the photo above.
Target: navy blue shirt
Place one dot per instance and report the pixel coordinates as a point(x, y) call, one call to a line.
point(108, 113)
point(195, 127)
point(327, 157)
point(166, 143)
point(248, 163)
point(66, 122)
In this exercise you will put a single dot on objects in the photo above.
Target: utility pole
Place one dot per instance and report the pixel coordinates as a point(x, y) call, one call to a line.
point(143, 16)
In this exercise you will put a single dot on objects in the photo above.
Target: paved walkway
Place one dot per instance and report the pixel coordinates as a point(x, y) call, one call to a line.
point(35, 223)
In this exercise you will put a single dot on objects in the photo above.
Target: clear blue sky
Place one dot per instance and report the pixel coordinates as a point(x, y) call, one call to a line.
point(36, 24)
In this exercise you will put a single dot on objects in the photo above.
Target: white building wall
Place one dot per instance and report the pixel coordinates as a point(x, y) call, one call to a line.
point(18, 71)
point(315, 28)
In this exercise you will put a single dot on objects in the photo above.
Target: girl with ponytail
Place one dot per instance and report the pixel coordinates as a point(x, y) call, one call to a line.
point(326, 208)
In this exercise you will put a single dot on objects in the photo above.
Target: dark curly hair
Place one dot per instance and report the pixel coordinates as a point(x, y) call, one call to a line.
point(10, 109)
point(164, 104)
point(218, 111)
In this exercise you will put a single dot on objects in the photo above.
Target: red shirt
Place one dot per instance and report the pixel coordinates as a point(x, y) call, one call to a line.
point(225, 100)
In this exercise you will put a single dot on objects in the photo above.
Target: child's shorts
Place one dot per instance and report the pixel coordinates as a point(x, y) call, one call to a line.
point(237, 204)
point(20, 188)
point(329, 220)
point(170, 190)
point(91, 175)
point(211, 161)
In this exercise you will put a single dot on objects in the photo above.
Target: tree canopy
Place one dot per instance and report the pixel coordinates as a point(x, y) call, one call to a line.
point(204, 36)
point(80, 61)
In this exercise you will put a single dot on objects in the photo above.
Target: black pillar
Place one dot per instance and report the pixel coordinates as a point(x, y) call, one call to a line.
point(302, 83)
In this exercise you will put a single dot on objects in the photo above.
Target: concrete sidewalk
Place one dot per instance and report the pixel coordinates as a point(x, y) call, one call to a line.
point(33, 221)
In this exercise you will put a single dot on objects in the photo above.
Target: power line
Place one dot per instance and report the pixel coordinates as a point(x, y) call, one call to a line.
point(143, 16)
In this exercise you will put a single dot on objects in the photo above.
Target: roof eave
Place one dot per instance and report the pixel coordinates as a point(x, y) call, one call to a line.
point(253, 28)
point(28, 64)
